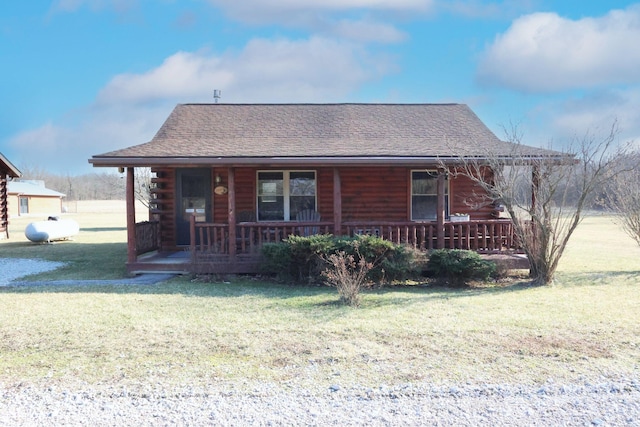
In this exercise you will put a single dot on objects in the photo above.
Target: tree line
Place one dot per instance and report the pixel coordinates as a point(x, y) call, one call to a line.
point(90, 186)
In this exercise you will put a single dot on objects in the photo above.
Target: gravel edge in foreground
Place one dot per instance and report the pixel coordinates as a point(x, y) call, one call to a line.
point(605, 404)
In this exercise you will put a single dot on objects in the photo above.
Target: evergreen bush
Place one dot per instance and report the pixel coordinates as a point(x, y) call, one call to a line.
point(305, 258)
point(459, 267)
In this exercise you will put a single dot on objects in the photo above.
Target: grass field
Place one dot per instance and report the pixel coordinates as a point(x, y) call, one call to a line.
point(99, 251)
point(245, 331)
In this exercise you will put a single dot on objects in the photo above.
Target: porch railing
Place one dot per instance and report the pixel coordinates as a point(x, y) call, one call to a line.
point(481, 235)
point(250, 236)
point(478, 235)
point(147, 236)
point(210, 237)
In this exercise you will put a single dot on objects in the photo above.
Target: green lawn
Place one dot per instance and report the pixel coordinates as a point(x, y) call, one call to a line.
point(183, 332)
point(99, 251)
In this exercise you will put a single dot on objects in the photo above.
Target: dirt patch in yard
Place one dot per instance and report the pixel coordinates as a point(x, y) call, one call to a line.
point(558, 346)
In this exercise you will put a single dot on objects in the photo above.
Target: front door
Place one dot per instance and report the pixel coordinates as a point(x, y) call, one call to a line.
point(194, 198)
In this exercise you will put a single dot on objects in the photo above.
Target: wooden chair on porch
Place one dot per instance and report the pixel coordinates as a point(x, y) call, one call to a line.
point(308, 215)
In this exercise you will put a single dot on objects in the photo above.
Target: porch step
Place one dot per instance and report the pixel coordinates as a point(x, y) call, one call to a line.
point(156, 267)
point(222, 265)
point(509, 261)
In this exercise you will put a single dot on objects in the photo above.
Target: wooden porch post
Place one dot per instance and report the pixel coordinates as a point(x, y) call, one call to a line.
point(232, 214)
point(440, 207)
point(131, 218)
point(337, 203)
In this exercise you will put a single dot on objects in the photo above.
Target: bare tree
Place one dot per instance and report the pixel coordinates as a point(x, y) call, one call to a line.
point(34, 172)
point(622, 195)
point(143, 185)
point(103, 186)
point(561, 186)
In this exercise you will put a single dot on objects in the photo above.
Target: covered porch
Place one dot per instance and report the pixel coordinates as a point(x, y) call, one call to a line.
point(233, 246)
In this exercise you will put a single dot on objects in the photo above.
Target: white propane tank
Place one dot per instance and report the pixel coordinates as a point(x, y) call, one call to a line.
point(48, 231)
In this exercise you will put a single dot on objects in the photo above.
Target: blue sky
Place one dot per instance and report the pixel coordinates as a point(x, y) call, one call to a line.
point(83, 77)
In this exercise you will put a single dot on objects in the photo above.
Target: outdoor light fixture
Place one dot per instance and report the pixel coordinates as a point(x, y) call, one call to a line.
point(220, 189)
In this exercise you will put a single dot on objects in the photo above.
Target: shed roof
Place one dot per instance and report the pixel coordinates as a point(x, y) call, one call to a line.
point(31, 188)
point(304, 132)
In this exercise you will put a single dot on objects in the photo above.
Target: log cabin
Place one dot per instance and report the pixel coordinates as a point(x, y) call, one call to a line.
point(7, 171)
point(230, 177)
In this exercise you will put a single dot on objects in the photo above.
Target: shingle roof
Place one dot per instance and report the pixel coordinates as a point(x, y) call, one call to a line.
point(319, 131)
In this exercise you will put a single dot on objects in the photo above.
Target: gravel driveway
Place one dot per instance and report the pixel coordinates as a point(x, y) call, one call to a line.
point(14, 268)
point(604, 404)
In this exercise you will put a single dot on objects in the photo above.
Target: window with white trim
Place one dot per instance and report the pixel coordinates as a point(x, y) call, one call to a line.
point(282, 194)
point(424, 195)
point(24, 205)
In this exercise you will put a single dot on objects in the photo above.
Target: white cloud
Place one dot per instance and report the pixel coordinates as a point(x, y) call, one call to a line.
point(65, 148)
point(557, 123)
point(279, 10)
point(43, 139)
point(316, 69)
point(599, 111)
point(182, 75)
point(545, 52)
point(131, 107)
point(313, 70)
point(358, 20)
point(368, 20)
point(482, 9)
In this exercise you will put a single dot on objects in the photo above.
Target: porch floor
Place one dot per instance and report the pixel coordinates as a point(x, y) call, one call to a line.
point(179, 262)
point(510, 261)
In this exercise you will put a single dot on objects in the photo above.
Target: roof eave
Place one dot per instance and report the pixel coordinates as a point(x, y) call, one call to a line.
point(306, 161)
point(246, 161)
point(13, 171)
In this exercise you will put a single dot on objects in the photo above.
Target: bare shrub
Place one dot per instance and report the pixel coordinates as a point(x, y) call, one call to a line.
point(348, 276)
